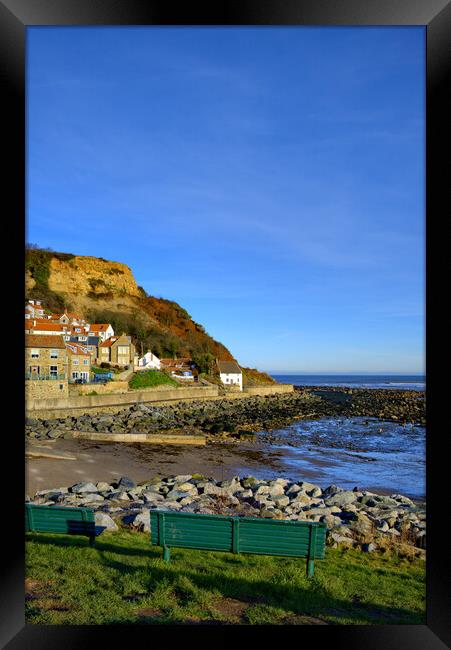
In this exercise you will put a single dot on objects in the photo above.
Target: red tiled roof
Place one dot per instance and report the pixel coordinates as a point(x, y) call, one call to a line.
point(43, 325)
point(109, 342)
point(43, 341)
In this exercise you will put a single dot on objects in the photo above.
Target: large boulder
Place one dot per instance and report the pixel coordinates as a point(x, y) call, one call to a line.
point(362, 525)
point(341, 499)
point(281, 501)
point(182, 478)
point(185, 487)
point(102, 486)
point(124, 482)
point(105, 521)
point(276, 489)
point(176, 495)
point(271, 513)
point(152, 497)
point(141, 521)
point(212, 488)
point(80, 488)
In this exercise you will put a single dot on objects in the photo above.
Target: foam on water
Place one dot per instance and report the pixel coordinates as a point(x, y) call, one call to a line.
point(363, 452)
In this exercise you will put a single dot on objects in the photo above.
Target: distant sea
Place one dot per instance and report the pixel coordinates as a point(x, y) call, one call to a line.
point(401, 382)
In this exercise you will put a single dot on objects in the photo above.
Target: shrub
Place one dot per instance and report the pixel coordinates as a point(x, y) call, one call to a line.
point(96, 282)
point(150, 378)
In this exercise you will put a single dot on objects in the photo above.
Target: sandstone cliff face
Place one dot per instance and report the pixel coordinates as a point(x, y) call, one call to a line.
point(29, 281)
point(91, 275)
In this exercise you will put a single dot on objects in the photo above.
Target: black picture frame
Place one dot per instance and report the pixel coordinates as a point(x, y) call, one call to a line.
point(15, 17)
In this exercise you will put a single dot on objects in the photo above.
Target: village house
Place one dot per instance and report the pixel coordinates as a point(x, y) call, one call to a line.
point(34, 309)
point(176, 365)
point(69, 318)
point(182, 368)
point(92, 344)
point(230, 373)
point(103, 330)
point(45, 356)
point(117, 350)
point(45, 366)
point(147, 362)
point(45, 327)
point(79, 362)
point(81, 332)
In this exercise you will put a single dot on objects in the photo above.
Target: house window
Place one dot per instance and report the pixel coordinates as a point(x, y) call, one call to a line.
point(122, 350)
point(75, 362)
point(85, 362)
point(75, 375)
point(53, 371)
point(54, 354)
point(61, 386)
point(35, 354)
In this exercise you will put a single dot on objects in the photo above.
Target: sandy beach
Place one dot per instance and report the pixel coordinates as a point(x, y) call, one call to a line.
point(106, 461)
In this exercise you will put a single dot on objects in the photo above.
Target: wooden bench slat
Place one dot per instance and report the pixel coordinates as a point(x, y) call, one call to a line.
point(304, 539)
point(59, 520)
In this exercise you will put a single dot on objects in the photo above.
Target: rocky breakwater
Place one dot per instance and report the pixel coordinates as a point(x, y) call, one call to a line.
point(404, 406)
point(354, 519)
point(207, 416)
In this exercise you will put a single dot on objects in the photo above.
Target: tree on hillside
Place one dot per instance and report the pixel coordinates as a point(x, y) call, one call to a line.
point(205, 362)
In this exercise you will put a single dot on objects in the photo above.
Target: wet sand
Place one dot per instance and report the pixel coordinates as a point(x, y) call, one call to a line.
point(107, 461)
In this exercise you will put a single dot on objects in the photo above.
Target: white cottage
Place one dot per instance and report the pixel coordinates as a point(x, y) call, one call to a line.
point(230, 373)
point(148, 361)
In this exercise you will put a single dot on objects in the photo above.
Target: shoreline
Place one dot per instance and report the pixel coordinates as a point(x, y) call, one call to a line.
point(103, 461)
point(228, 452)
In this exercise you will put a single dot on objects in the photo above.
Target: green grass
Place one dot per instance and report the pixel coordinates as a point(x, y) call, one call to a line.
point(150, 378)
point(124, 580)
point(103, 371)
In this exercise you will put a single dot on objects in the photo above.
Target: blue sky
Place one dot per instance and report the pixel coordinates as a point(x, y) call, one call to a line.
point(270, 180)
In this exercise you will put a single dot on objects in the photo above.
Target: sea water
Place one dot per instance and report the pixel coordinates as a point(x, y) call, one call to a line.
point(400, 382)
point(365, 452)
point(362, 452)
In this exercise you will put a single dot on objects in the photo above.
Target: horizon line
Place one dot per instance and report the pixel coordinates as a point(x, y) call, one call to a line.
point(366, 372)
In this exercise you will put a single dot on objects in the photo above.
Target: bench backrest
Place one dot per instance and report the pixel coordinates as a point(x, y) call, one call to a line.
point(238, 534)
point(56, 519)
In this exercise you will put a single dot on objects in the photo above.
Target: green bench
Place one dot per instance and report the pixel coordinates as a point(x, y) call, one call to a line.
point(56, 519)
point(238, 535)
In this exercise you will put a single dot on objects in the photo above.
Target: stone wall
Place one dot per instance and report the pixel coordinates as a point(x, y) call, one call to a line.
point(44, 389)
point(100, 389)
point(87, 403)
point(270, 389)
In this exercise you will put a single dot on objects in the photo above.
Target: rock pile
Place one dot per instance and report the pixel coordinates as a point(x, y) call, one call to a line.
point(254, 413)
point(354, 518)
